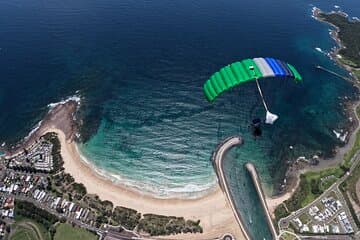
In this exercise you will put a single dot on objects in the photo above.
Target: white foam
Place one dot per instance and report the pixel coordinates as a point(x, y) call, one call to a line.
point(336, 6)
point(313, 9)
point(189, 191)
point(75, 98)
point(341, 137)
point(337, 134)
point(37, 126)
point(192, 188)
point(320, 50)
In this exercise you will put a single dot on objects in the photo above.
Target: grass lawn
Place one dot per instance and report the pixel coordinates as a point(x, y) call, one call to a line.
point(310, 187)
point(287, 236)
point(30, 223)
point(357, 74)
point(304, 218)
point(23, 233)
point(350, 184)
point(347, 62)
point(26, 228)
point(325, 184)
point(66, 231)
point(316, 177)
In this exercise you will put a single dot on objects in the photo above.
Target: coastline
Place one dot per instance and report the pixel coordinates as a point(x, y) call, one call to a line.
point(145, 203)
point(118, 179)
point(213, 210)
point(294, 172)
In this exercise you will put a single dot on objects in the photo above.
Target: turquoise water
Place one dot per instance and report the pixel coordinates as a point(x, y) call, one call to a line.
point(139, 68)
point(157, 132)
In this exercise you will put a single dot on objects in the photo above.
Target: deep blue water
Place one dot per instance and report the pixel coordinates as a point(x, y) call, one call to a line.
point(139, 67)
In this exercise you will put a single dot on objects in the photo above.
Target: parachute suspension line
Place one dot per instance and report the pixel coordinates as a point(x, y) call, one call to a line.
point(270, 117)
point(261, 95)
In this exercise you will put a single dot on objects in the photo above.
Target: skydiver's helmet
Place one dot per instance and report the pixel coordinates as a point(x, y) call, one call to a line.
point(256, 127)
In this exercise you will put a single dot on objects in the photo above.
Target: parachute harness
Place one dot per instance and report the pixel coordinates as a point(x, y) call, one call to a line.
point(270, 117)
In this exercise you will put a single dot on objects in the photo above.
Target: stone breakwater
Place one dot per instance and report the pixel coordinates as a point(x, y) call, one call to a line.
point(217, 159)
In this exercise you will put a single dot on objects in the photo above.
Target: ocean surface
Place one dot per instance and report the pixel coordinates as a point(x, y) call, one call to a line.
point(139, 67)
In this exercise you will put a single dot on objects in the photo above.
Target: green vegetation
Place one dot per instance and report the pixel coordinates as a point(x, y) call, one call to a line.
point(281, 212)
point(356, 147)
point(162, 225)
point(129, 218)
point(305, 218)
point(29, 210)
point(350, 184)
point(357, 73)
point(59, 183)
point(287, 236)
point(64, 185)
point(66, 232)
point(103, 209)
point(347, 62)
point(349, 35)
point(312, 185)
point(23, 233)
point(77, 190)
point(26, 228)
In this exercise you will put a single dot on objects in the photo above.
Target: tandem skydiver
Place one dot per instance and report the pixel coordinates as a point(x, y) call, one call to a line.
point(256, 127)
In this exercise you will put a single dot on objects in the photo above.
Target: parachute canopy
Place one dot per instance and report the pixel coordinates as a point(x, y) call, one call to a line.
point(247, 70)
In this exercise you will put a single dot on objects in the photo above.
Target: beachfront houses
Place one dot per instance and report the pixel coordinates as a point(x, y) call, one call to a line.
point(37, 157)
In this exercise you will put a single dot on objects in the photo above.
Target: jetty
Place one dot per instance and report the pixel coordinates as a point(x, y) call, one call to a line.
point(333, 73)
point(252, 170)
point(217, 160)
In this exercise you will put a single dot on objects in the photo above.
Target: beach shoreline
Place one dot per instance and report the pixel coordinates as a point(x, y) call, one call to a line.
point(118, 179)
point(213, 210)
point(60, 120)
point(293, 172)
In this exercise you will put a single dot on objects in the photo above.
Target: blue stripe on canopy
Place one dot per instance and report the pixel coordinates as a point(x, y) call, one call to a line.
point(284, 68)
point(281, 71)
point(273, 66)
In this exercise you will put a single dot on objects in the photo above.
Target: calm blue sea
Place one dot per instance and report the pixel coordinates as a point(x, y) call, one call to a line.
point(139, 67)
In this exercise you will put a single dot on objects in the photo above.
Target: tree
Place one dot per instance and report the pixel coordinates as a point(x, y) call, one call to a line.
point(52, 231)
point(63, 219)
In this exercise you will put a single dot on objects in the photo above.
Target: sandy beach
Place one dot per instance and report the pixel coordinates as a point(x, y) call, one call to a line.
point(213, 210)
